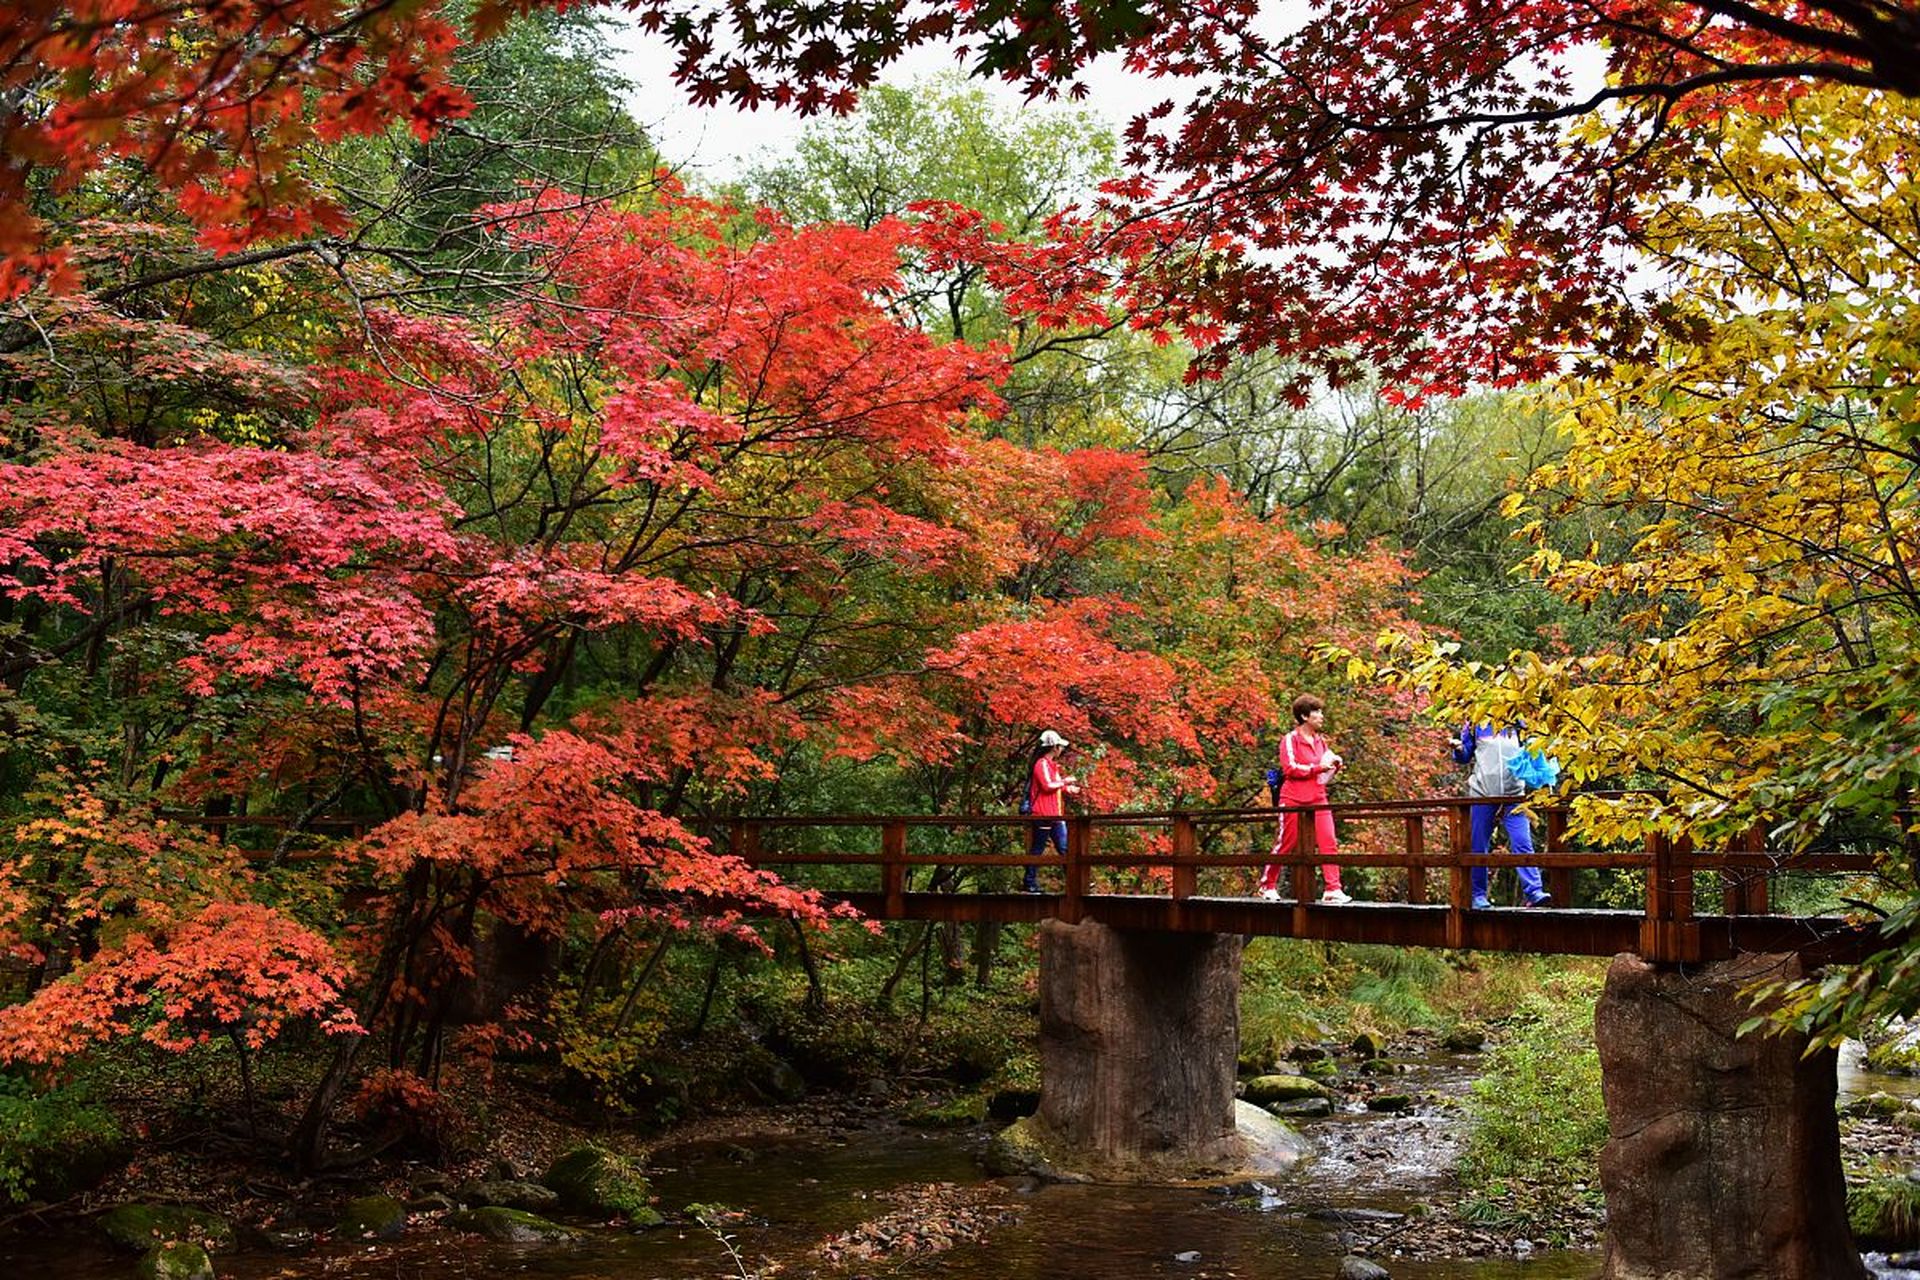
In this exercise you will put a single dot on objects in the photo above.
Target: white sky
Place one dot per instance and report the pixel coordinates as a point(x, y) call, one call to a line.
point(717, 143)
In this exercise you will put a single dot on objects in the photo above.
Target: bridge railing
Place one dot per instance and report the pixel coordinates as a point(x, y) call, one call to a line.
point(1186, 854)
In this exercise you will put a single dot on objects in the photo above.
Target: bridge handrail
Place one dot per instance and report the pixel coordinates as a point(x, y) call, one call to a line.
point(1669, 929)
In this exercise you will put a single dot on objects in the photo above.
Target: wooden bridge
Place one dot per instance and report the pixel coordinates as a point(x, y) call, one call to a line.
point(1194, 871)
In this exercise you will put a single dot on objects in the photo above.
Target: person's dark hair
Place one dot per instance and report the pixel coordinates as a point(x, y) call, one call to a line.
point(1305, 705)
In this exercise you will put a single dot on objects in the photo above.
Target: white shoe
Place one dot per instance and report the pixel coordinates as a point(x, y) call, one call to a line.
point(1334, 898)
point(1270, 895)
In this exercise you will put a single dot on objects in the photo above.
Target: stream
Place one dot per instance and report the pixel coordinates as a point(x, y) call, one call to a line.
point(777, 1200)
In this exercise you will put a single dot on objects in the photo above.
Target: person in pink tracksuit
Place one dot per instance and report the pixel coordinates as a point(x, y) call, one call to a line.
point(1307, 765)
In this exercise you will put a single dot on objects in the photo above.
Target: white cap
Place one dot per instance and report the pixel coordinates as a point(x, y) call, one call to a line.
point(1050, 739)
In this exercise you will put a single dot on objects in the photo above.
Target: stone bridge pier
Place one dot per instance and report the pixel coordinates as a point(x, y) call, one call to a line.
point(1139, 1037)
point(1723, 1155)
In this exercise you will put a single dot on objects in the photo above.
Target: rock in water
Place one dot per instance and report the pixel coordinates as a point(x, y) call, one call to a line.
point(512, 1226)
point(372, 1218)
point(1357, 1268)
point(176, 1260)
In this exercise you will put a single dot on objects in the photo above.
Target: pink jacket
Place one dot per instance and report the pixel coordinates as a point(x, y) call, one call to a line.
point(1302, 778)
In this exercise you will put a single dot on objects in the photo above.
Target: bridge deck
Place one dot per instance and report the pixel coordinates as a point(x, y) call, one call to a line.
point(1823, 939)
point(1189, 871)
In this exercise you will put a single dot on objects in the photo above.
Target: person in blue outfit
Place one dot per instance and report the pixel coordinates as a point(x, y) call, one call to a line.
point(1490, 755)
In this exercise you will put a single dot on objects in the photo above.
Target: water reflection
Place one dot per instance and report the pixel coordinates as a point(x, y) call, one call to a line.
point(793, 1193)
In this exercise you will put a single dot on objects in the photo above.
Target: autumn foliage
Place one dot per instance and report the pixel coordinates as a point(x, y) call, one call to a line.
point(533, 597)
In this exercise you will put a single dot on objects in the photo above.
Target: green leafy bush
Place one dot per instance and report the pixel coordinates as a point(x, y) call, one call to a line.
point(53, 1143)
point(1536, 1118)
point(1884, 1209)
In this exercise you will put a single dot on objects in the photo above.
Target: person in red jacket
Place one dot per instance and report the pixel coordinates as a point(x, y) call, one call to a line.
point(1045, 785)
point(1307, 765)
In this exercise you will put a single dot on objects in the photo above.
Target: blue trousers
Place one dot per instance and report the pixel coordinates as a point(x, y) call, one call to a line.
point(1519, 841)
point(1054, 829)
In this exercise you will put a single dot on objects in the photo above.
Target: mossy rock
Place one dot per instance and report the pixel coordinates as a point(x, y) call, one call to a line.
point(1020, 1148)
point(1381, 1067)
point(1878, 1104)
point(1368, 1045)
point(137, 1228)
point(372, 1218)
point(952, 1113)
point(506, 1193)
point(1885, 1211)
point(1263, 1091)
point(1898, 1056)
point(597, 1182)
point(1320, 1068)
point(1302, 1108)
point(776, 1079)
point(512, 1226)
point(176, 1260)
point(1390, 1102)
point(1464, 1040)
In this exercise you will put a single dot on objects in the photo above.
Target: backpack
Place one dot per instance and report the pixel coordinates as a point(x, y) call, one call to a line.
point(1494, 756)
point(1019, 793)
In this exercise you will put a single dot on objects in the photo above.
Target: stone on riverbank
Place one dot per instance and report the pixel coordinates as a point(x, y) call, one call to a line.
point(512, 1226)
point(1263, 1091)
point(1267, 1145)
point(950, 1113)
point(506, 1193)
point(372, 1218)
point(137, 1228)
point(176, 1260)
point(597, 1182)
point(1357, 1268)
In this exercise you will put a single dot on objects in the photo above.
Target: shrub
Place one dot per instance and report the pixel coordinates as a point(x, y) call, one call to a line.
point(53, 1143)
point(1536, 1118)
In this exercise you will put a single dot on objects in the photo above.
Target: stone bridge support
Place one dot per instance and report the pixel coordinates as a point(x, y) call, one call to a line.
point(1139, 1037)
point(1723, 1155)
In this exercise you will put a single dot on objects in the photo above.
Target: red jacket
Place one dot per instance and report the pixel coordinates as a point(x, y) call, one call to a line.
point(1302, 777)
point(1048, 782)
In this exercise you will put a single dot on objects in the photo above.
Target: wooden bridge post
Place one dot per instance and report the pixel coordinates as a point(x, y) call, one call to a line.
point(1302, 874)
point(1459, 875)
point(1079, 845)
point(1186, 843)
point(1669, 934)
point(1559, 879)
point(893, 868)
point(1416, 847)
point(1743, 890)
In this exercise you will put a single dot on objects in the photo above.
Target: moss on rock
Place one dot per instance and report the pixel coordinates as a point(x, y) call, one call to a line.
point(176, 1260)
point(372, 1218)
point(512, 1226)
point(137, 1228)
point(951, 1113)
point(600, 1183)
point(1264, 1090)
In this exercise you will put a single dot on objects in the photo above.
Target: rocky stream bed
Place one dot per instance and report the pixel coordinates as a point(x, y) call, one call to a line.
point(886, 1186)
